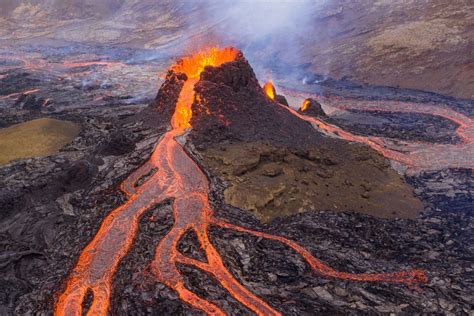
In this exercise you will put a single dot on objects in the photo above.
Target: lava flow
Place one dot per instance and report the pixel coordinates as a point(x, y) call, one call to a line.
point(416, 155)
point(305, 105)
point(179, 178)
point(77, 64)
point(16, 94)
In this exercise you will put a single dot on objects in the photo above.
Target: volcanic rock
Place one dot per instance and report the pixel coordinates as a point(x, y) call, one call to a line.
point(47, 218)
point(313, 108)
point(118, 143)
point(30, 102)
point(276, 164)
point(281, 99)
point(164, 103)
point(404, 126)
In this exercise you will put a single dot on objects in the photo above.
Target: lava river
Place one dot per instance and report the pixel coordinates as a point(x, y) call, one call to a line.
point(179, 178)
point(415, 156)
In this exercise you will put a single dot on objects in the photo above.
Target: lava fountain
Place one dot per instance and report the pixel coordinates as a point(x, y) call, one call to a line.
point(269, 90)
point(305, 105)
point(179, 178)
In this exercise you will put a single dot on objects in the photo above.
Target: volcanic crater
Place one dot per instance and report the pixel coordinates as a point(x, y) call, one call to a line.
point(170, 173)
point(219, 198)
point(276, 164)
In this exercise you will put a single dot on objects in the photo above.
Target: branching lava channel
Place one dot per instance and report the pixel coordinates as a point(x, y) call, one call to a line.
point(180, 178)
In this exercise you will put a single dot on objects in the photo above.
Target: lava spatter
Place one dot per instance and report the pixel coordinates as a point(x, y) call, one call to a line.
point(305, 105)
point(269, 90)
point(171, 174)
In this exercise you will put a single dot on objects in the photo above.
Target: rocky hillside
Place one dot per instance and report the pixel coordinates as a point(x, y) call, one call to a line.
point(418, 44)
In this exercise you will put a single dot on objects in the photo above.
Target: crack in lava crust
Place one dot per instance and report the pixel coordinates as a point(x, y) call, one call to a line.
point(179, 178)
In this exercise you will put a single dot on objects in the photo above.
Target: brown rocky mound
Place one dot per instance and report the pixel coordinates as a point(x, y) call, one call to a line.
point(275, 163)
point(277, 181)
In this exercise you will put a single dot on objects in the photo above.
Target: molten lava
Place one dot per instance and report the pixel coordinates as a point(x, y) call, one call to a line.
point(269, 90)
point(416, 155)
point(305, 105)
point(179, 178)
point(193, 66)
point(16, 94)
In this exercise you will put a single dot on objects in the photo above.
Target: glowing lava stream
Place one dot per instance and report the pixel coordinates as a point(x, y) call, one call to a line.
point(15, 94)
point(269, 90)
point(417, 155)
point(178, 177)
point(426, 156)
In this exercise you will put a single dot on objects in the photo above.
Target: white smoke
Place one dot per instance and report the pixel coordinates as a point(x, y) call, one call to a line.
point(260, 18)
point(271, 33)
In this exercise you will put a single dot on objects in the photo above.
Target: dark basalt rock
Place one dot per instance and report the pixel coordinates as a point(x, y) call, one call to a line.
point(240, 133)
point(10, 201)
point(47, 218)
point(281, 99)
point(313, 108)
point(404, 126)
point(119, 143)
point(78, 174)
point(238, 109)
point(237, 75)
point(165, 101)
point(30, 102)
point(17, 81)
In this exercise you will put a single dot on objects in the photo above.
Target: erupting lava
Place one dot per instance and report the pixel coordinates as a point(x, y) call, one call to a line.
point(305, 105)
point(269, 90)
point(192, 67)
point(178, 177)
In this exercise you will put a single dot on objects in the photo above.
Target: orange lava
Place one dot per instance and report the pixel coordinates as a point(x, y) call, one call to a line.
point(34, 63)
point(179, 178)
point(12, 95)
point(416, 155)
point(193, 66)
point(305, 105)
point(269, 90)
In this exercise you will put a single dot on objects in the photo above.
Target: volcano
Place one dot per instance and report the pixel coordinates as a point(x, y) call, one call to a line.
point(214, 99)
point(270, 156)
point(327, 168)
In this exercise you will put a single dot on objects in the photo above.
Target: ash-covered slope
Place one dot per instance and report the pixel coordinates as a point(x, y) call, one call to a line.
point(230, 105)
point(423, 45)
point(275, 163)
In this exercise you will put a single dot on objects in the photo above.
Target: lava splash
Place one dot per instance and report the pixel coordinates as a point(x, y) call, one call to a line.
point(179, 178)
point(192, 67)
point(269, 90)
